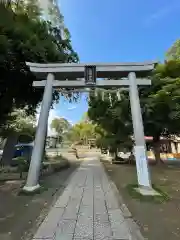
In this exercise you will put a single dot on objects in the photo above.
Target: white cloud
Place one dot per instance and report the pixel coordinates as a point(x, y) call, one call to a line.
point(72, 108)
point(71, 122)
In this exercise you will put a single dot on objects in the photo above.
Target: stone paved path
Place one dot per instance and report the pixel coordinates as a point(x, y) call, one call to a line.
point(87, 209)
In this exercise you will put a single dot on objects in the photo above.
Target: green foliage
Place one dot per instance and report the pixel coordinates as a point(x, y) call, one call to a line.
point(114, 122)
point(160, 104)
point(56, 16)
point(161, 101)
point(20, 123)
point(60, 125)
point(24, 36)
point(30, 7)
point(82, 131)
point(23, 165)
point(174, 52)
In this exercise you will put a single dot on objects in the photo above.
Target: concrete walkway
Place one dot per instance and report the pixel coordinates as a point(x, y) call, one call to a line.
point(87, 209)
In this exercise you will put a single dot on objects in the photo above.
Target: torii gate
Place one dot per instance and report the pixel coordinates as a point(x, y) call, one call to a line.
point(81, 76)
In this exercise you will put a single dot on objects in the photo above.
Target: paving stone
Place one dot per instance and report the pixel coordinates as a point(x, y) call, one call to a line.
point(98, 189)
point(100, 207)
point(86, 211)
point(88, 190)
point(78, 189)
point(66, 226)
point(116, 216)
point(125, 210)
point(47, 228)
point(99, 194)
point(64, 237)
point(77, 194)
point(62, 202)
point(88, 193)
point(134, 229)
point(111, 202)
point(71, 210)
point(87, 198)
point(87, 201)
point(106, 190)
point(118, 225)
point(120, 231)
point(84, 228)
point(64, 198)
point(101, 218)
point(32, 239)
point(102, 230)
point(65, 229)
point(89, 186)
point(82, 238)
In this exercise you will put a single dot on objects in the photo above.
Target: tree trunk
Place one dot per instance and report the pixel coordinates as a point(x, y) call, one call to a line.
point(8, 151)
point(156, 148)
point(112, 154)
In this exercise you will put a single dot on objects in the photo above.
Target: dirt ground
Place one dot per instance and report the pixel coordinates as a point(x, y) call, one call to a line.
point(156, 220)
point(20, 214)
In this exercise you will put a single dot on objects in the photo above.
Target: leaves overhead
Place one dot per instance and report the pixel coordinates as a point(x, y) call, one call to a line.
point(24, 36)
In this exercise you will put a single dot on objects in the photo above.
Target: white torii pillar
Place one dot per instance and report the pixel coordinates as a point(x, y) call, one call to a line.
point(32, 182)
point(140, 145)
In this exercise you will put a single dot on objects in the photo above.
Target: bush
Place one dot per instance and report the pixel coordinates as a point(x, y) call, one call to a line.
point(23, 165)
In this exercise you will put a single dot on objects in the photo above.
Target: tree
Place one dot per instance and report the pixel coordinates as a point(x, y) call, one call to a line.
point(61, 126)
point(19, 126)
point(85, 118)
point(24, 36)
point(74, 134)
point(174, 52)
point(82, 132)
point(56, 16)
point(113, 121)
point(160, 104)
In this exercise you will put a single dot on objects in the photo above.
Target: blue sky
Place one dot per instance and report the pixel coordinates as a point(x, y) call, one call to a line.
point(117, 31)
